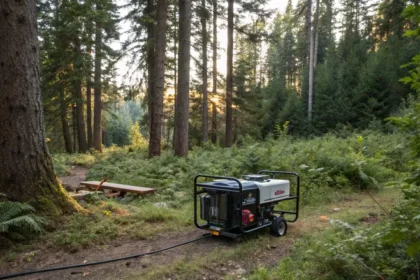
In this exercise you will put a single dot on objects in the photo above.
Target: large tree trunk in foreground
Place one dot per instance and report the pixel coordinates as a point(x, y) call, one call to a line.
point(229, 78)
point(27, 172)
point(183, 94)
point(97, 110)
point(205, 83)
point(159, 83)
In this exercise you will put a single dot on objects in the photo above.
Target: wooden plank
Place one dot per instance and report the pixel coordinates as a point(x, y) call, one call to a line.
point(118, 187)
point(79, 196)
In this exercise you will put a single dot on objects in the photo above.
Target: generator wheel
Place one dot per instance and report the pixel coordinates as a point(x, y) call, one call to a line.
point(279, 227)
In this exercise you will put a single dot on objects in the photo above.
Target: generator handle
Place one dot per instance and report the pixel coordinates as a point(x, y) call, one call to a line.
point(198, 192)
point(296, 212)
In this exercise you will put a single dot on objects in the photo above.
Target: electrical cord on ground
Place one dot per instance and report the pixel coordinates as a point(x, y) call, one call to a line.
point(100, 262)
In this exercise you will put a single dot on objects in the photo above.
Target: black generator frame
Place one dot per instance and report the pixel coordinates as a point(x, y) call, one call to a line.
point(241, 228)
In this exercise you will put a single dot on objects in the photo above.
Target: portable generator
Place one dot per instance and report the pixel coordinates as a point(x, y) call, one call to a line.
point(231, 207)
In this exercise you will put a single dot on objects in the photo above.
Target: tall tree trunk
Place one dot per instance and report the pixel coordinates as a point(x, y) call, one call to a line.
point(97, 110)
point(214, 109)
point(64, 123)
point(27, 172)
point(316, 31)
point(229, 78)
point(78, 98)
point(183, 94)
point(255, 54)
point(308, 23)
point(214, 123)
point(175, 77)
point(205, 82)
point(89, 110)
point(311, 61)
point(74, 123)
point(89, 93)
point(150, 58)
point(159, 76)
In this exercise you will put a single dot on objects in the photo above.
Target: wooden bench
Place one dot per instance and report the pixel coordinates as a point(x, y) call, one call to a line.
point(118, 187)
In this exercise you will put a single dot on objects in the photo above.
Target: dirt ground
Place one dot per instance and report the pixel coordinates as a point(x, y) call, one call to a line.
point(273, 249)
point(42, 258)
point(72, 182)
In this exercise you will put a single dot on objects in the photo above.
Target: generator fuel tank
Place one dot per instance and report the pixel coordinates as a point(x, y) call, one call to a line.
point(273, 190)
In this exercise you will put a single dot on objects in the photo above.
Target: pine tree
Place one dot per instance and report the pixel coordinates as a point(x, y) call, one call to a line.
point(159, 82)
point(203, 19)
point(182, 97)
point(102, 21)
point(27, 170)
point(229, 78)
point(214, 74)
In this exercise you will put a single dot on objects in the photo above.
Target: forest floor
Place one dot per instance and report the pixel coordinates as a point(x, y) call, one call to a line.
point(73, 180)
point(212, 258)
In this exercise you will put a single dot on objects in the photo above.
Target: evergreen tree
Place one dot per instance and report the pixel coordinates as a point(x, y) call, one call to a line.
point(182, 97)
point(27, 171)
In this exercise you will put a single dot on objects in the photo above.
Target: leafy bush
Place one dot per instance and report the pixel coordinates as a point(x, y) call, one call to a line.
point(137, 140)
point(18, 221)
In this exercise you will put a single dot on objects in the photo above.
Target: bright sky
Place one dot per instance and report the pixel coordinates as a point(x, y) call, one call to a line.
point(279, 5)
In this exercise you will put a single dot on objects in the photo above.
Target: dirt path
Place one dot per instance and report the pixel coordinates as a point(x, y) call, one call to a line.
point(72, 182)
point(212, 258)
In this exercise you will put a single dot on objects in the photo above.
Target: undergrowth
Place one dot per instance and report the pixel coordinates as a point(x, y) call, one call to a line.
point(18, 221)
point(330, 167)
point(327, 165)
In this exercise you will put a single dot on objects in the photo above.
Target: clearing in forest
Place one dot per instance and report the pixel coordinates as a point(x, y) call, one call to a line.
point(213, 258)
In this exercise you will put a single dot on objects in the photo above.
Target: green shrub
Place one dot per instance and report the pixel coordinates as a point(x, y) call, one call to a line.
point(327, 165)
point(18, 221)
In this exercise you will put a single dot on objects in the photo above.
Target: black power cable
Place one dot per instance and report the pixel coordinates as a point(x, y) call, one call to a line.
point(101, 262)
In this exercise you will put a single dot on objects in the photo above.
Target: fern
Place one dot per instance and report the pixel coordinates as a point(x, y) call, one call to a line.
point(18, 219)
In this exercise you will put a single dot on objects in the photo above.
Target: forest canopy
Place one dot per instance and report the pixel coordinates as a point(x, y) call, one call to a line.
point(316, 66)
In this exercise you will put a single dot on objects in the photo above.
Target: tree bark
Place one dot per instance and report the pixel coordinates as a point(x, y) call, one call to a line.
point(64, 123)
point(159, 75)
point(205, 82)
point(229, 78)
point(214, 123)
point(183, 94)
point(308, 23)
point(89, 93)
point(150, 58)
point(89, 111)
point(214, 109)
point(316, 31)
point(175, 74)
point(78, 97)
point(74, 123)
point(311, 61)
point(27, 172)
point(97, 110)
